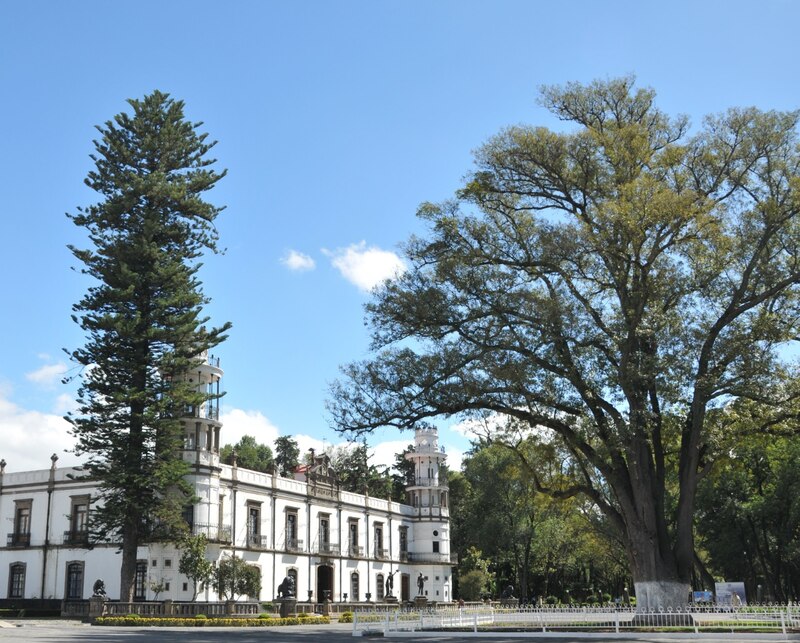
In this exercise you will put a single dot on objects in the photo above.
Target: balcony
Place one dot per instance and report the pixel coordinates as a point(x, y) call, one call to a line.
point(381, 553)
point(79, 538)
point(19, 540)
point(432, 557)
point(257, 541)
point(403, 556)
point(355, 551)
point(214, 533)
point(327, 549)
point(293, 545)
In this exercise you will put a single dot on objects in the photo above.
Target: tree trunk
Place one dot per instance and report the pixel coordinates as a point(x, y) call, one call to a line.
point(130, 548)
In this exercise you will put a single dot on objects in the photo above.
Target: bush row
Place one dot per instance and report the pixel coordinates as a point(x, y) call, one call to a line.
point(202, 621)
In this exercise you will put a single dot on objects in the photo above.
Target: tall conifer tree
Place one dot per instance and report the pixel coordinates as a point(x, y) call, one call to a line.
point(143, 319)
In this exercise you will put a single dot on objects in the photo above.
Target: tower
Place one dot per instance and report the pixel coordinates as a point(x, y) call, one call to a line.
point(202, 426)
point(430, 547)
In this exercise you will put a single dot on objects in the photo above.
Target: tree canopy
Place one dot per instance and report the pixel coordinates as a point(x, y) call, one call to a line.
point(612, 283)
point(249, 454)
point(143, 319)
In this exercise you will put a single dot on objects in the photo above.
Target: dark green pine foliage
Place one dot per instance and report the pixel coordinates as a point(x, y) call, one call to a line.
point(143, 319)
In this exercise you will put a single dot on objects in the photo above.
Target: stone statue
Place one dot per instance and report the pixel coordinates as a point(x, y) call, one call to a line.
point(286, 588)
point(390, 583)
point(420, 584)
point(508, 592)
point(99, 588)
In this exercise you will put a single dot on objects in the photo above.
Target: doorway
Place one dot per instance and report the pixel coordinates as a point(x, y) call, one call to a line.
point(324, 582)
point(405, 584)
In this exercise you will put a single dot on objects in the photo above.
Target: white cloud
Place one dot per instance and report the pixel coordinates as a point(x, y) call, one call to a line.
point(65, 403)
point(48, 375)
point(297, 261)
point(366, 267)
point(30, 437)
point(237, 423)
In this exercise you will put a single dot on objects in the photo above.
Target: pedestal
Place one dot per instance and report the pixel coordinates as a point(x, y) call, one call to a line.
point(420, 602)
point(288, 607)
point(97, 607)
point(326, 607)
point(390, 599)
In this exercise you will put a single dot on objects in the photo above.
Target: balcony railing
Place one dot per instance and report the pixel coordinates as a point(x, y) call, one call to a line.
point(19, 540)
point(355, 550)
point(403, 556)
point(432, 557)
point(327, 549)
point(214, 533)
point(79, 537)
point(381, 553)
point(257, 541)
point(429, 482)
point(294, 545)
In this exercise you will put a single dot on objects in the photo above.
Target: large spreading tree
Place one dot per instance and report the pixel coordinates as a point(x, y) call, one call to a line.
point(143, 319)
point(614, 282)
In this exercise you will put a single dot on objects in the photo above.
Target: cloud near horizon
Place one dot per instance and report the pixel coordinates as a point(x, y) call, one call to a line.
point(366, 267)
point(48, 375)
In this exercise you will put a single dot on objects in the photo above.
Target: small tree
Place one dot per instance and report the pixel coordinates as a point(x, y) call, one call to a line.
point(287, 455)
point(234, 577)
point(194, 564)
point(249, 454)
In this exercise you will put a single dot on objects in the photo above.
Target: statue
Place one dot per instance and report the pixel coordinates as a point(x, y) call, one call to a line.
point(99, 588)
point(286, 588)
point(421, 584)
point(390, 583)
point(508, 592)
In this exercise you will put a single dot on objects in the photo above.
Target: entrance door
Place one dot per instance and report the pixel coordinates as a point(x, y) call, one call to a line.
point(405, 593)
point(324, 582)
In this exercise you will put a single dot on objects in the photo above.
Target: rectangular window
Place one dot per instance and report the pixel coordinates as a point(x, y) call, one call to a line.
point(324, 533)
point(292, 543)
point(403, 540)
point(79, 516)
point(22, 523)
point(16, 580)
point(167, 563)
point(435, 546)
point(379, 587)
point(352, 538)
point(254, 524)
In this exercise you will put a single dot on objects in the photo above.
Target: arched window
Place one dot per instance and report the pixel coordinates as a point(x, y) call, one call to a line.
point(292, 573)
point(354, 587)
point(74, 581)
point(16, 580)
point(379, 587)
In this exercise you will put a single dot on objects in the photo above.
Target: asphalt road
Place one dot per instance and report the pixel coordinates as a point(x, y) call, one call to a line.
point(69, 631)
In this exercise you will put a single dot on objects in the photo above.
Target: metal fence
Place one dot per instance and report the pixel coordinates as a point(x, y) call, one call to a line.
point(691, 619)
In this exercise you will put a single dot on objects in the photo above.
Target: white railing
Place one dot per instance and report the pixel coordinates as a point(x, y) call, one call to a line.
point(692, 619)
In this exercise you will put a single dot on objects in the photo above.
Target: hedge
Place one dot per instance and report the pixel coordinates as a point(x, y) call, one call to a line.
point(165, 621)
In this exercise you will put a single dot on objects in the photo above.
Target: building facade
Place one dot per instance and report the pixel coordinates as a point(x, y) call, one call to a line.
point(333, 543)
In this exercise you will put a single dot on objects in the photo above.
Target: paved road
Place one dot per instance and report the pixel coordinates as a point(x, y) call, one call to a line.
point(70, 631)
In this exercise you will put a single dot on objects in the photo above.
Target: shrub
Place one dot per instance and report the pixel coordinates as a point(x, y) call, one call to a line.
point(346, 617)
point(268, 607)
point(200, 616)
point(303, 615)
point(264, 615)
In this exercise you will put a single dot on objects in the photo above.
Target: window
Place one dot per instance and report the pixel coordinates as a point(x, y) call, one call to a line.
point(79, 516)
point(354, 587)
point(403, 540)
point(188, 516)
point(186, 587)
point(154, 563)
point(74, 581)
point(324, 533)
point(22, 523)
point(291, 530)
point(140, 581)
point(16, 580)
point(352, 536)
point(379, 587)
point(253, 524)
point(292, 573)
point(167, 563)
point(435, 546)
point(378, 544)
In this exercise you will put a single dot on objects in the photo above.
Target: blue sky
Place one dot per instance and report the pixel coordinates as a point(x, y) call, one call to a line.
point(335, 120)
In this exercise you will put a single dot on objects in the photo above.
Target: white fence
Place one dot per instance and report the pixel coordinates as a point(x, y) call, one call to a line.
point(711, 619)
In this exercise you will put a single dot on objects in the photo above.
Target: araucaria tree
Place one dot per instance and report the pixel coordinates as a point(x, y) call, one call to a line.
point(143, 319)
point(615, 283)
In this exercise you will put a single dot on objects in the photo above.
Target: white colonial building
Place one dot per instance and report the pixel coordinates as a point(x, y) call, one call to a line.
point(331, 542)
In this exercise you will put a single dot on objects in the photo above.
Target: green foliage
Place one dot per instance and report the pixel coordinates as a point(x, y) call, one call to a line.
point(346, 617)
point(287, 455)
point(249, 454)
point(234, 577)
point(357, 475)
point(609, 284)
point(142, 319)
point(193, 562)
point(474, 585)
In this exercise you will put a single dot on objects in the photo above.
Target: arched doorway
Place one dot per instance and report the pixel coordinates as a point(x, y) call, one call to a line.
point(324, 582)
